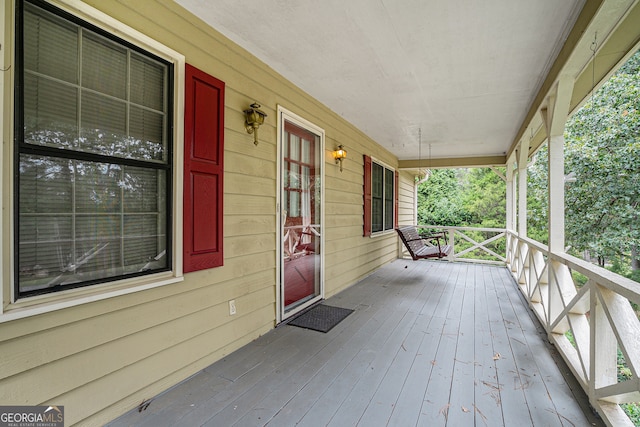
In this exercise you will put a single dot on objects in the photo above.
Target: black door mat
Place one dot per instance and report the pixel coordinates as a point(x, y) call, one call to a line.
point(321, 318)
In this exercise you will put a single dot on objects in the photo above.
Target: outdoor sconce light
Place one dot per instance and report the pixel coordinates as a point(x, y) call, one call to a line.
point(340, 154)
point(254, 118)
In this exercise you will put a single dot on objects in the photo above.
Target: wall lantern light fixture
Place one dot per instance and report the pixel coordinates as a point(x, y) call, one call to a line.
point(254, 118)
point(340, 154)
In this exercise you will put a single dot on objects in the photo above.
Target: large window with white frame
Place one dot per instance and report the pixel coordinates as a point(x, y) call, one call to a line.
point(382, 197)
point(92, 154)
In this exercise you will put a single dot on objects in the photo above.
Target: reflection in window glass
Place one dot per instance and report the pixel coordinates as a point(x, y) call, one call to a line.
point(295, 148)
point(118, 117)
point(306, 153)
point(294, 175)
point(388, 198)
point(382, 198)
point(294, 204)
point(301, 229)
point(114, 226)
point(88, 216)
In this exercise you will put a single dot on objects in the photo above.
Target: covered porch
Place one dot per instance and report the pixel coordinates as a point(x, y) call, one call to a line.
point(408, 86)
point(429, 343)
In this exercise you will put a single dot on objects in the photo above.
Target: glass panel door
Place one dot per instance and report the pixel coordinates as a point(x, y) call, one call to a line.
point(301, 216)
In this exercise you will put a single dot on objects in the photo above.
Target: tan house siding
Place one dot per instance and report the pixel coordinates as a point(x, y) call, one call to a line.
point(407, 199)
point(103, 358)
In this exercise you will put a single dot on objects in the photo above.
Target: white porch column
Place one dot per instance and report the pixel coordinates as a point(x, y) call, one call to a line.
point(556, 193)
point(511, 198)
point(554, 117)
point(523, 158)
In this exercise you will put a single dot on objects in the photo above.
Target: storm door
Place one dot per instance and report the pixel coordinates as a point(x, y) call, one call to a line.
point(300, 215)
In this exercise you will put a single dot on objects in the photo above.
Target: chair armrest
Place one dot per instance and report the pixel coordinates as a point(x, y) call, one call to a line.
point(437, 236)
point(434, 235)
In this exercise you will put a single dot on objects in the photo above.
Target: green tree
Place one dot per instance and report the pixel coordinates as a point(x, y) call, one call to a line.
point(440, 199)
point(538, 197)
point(463, 197)
point(603, 151)
point(484, 198)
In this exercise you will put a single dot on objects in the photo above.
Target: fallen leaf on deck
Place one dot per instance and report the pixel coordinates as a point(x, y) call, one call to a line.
point(445, 410)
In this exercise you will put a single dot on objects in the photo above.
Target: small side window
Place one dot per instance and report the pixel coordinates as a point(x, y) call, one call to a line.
point(380, 197)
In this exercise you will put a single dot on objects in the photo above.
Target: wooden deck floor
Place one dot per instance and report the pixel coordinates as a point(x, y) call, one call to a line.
point(429, 343)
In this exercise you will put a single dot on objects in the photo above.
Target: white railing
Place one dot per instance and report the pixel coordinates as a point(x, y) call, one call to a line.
point(466, 246)
point(588, 325)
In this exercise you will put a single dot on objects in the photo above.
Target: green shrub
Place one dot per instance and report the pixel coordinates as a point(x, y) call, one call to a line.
point(633, 412)
point(579, 279)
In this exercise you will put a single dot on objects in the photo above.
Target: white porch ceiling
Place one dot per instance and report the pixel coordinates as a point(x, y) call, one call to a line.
point(464, 72)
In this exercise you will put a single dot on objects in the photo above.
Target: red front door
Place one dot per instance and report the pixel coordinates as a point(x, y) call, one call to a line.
point(301, 216)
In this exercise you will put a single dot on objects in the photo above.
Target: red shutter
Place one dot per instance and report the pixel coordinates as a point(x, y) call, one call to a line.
point(203, 170)
point(367, 196)
point(395, 201)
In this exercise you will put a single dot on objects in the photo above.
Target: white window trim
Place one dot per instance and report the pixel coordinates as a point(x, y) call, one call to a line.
point(10, 309)
point(375, 234)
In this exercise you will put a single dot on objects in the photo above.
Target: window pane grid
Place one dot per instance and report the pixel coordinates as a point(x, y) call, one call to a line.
point(382, 198)
point(98, 211)
point(98, 118)
point(69, 119)
point(47, 33)
point(388, 199)
point(298, 177)
point(109, 221)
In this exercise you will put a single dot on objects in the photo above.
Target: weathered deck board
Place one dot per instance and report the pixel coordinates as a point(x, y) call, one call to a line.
point(429, 343)
point(326, 366)
point(488, 401)
point(389, 326)
point(541, 407)
point(393, 368)
point(407, 409)
point(462, 395)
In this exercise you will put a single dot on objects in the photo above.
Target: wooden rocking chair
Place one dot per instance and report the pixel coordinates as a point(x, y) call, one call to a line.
point(417, 246)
